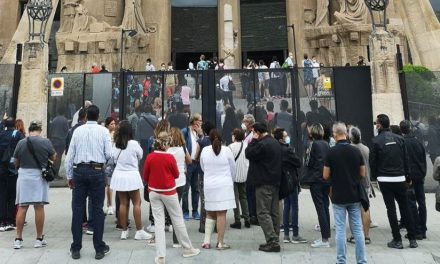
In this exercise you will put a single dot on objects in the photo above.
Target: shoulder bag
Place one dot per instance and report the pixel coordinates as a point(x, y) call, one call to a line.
point(239, 152)
point(365, 202)
point(47, 173)
point(111, 168)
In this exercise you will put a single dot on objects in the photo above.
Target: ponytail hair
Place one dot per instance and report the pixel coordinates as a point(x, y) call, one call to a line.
point(216, 141)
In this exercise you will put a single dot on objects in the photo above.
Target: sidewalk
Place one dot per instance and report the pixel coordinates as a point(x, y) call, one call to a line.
point(244, 242)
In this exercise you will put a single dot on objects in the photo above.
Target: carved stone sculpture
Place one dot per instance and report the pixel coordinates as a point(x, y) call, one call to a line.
point(322, 13)
point(133, 18)
point(352, 12)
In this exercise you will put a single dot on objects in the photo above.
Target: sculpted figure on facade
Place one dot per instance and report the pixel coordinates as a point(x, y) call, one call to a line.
point(322, 13)
point(133, 18)
point(352, 12)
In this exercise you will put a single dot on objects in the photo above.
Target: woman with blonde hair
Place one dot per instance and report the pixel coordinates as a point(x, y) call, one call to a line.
point(180, 153)
point(161, 172)
point(319, 189)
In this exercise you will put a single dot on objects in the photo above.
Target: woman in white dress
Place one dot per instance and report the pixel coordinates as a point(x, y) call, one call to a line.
point(126, 179)
point(218, 165)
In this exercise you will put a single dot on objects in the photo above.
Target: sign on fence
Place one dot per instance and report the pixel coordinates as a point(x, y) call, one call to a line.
point(57, 86)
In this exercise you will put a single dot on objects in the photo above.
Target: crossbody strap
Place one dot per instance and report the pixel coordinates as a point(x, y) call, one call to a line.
point(31, 150)
point(148, 121)
point(239, 152)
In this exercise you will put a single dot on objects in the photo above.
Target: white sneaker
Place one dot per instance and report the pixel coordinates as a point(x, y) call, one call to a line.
point(150, 229)
point(374, 225)
point(2, 228)
point(124, 235)
point(190, 252)
point(18, 243)
point(110, 210)
point(159, 260)
point(142, 235)
point(177, 245)
point(320, 244)
point(170, 228)
point(10, 228)
point(40, 243)
point(89, 232)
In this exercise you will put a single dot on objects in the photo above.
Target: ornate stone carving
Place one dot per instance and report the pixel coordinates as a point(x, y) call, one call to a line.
point(352, 12)
point(110, 8)
point(322, 13)
point(133, 18)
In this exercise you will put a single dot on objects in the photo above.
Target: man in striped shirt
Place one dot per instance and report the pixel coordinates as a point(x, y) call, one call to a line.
point(90, 148)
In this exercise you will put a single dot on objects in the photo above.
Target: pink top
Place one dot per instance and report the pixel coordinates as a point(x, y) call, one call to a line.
point(184, 94)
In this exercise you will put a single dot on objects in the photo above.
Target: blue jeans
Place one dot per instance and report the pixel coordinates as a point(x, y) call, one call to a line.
point(291, 203)
point(192, 180)
point(88, 182)
point(354, 216)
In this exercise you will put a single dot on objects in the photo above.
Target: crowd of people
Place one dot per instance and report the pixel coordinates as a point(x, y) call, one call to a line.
point(236, 163)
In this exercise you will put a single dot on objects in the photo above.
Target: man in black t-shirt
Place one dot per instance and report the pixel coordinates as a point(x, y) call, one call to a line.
point(345, 166)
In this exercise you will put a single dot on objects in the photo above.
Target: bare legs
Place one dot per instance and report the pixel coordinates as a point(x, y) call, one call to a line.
point(123, 209)
point(109, 196)
point(220, 217)
point(39, 220)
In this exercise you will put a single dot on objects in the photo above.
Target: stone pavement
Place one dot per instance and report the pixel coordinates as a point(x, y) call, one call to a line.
point(244, 242)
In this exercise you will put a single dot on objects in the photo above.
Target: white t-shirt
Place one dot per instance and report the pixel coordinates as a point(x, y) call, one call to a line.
point(315, 70)
point(219, 171)
point(179, 155)
point(127, 159)
point(242, 163)
point(193, 144)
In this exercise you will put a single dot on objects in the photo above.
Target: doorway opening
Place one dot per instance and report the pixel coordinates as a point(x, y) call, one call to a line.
point(266, 56)
point(182, 59)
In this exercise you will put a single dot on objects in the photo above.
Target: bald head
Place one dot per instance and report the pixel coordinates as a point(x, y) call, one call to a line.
point(340, 131)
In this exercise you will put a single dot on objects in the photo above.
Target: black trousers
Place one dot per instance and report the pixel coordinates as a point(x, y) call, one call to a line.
point(320, 198)
point(8, 183)
point(417, 207)
point(397, 191)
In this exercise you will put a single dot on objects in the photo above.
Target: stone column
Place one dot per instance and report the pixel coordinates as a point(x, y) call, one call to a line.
point(229, 32)
point(423, 31)
point(157, 15)
point(386, 95)
point(32, 96)
point(9, 17)
point(295, 15)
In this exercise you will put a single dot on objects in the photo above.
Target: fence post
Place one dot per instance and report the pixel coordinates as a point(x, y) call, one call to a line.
point(296, 108)
point(15, 89)
point(84, 90)
point(402, 82)
point(122, 95)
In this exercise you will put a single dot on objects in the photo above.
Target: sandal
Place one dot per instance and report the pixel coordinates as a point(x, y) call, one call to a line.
point(221, 246)
point(151, 242)
point(206, 246)
point(351, 240)
point(367, 241)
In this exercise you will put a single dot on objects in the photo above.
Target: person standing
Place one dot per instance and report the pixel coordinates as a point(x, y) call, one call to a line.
point(238, 148)
point(433, 138)
point(356, 141)
point(149, 66)
point(247, 126)
point(224, 83)
point(9, 139)
point(89, 150)
point(126, 179)
point(192, 134)
point(314, 163)
point(290, 163)
point(263, 80)
point(344, 167)
point(417, 167)
point(160, 173)
point(145, 127)
point(178, 150)
point(59, 129)
point(264, 155)
point(110, 124)
point(275, 78)
point(31, 155)
point(389, 165)
point(217, 163)
point(75, 116)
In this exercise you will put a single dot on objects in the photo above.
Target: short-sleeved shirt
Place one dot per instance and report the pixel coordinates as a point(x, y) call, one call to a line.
point(344, 162)
point(43, 150)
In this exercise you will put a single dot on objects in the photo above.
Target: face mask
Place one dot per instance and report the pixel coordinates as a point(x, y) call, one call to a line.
point(287, 141)
point(243, 126)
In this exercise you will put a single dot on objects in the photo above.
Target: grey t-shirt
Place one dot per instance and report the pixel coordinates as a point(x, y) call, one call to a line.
point(43, 150)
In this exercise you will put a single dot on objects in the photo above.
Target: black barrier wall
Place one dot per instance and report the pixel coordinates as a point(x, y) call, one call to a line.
point(288, 98)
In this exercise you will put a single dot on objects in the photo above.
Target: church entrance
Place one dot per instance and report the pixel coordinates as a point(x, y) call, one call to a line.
point(194, 32)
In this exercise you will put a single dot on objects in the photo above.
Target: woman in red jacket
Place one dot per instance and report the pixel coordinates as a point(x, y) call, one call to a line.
point(160, 172)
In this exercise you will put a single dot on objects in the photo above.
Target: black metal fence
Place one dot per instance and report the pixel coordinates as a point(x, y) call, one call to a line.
point(287, 98)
